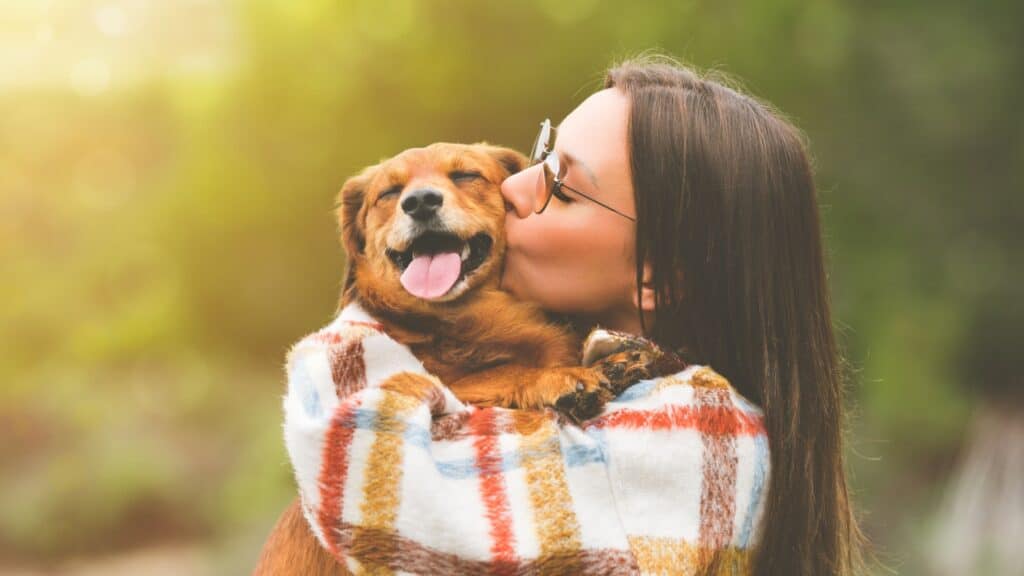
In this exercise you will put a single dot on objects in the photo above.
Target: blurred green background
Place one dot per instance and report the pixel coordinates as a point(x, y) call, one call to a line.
point(168, 171)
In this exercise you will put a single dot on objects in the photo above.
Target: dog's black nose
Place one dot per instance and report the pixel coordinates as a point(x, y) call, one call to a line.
point(422, 204)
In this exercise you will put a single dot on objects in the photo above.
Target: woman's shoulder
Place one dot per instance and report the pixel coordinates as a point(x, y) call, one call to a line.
point(705, 381)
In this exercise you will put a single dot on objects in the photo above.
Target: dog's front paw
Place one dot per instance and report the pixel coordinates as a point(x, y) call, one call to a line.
point(623, 369)
point(582, 404)
point(579, 393)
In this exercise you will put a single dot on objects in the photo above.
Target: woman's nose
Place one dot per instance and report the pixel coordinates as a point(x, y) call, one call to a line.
point(520, 190)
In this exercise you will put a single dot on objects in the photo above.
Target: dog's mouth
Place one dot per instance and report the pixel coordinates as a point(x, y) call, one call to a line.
point(436, 261)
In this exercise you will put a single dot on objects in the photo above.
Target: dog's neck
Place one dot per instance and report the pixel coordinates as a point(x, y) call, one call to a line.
point(455, 320)
point(484, 327)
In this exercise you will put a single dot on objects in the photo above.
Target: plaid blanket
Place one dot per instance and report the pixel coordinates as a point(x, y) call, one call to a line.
point(397, 475)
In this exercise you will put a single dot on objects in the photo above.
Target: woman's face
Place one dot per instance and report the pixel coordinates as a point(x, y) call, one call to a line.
point(577, 257)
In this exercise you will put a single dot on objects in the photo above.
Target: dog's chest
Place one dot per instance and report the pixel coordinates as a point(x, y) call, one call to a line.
point(451, 358)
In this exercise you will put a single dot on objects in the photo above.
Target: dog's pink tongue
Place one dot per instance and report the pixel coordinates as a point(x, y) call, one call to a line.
point(432, 275)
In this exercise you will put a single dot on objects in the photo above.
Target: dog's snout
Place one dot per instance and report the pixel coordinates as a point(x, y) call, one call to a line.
point(422, 204)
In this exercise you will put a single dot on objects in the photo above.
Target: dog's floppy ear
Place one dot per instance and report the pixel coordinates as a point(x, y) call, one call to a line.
point(350, 203)
point(512, 160)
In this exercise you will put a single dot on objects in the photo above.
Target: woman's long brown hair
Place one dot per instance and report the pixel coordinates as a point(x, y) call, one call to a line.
point(727, 217)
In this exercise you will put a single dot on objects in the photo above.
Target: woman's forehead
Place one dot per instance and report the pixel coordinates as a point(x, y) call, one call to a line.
point(594, 134)
point(609, 103)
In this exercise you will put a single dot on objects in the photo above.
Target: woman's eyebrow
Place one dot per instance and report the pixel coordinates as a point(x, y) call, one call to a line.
point(570, 159)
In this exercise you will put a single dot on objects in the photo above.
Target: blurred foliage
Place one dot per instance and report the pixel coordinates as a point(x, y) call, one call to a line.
point(167, 183)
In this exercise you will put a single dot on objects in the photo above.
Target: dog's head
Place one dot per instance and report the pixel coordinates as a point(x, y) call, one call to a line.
point(426, 226)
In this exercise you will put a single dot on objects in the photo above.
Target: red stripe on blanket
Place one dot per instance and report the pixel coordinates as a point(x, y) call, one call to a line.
point(335, 469)
point(719, 462)
point(326, 336)
point(492, 489)
point(374, 325)
point(711, 420)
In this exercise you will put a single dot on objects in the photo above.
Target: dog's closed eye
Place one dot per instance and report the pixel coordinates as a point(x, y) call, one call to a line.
point(458, 176)
point(390, 192)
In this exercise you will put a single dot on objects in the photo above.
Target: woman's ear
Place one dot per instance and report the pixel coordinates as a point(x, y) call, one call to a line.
point(644, 299)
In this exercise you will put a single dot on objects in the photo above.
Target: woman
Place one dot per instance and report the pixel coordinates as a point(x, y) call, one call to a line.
point(721, 257)
point(674, 207)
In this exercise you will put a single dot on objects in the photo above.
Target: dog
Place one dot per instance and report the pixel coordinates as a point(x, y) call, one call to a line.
point(424, 235)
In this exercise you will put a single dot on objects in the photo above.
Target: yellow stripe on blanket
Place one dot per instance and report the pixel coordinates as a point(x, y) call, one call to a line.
point(664, 555)
point(675, 556)
point(558, 530)
point(702, 378)
point(381, 493)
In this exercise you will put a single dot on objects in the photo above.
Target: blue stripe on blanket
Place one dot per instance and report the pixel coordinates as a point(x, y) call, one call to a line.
point(601, 443)
point(638, 390)
point(310, 397)
point(419, 436)
point(760, 465)
point(580, 455)
point(513, 459)
point(366, 419)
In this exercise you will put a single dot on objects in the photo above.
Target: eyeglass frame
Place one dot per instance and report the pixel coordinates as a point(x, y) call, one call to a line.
point(542, 155)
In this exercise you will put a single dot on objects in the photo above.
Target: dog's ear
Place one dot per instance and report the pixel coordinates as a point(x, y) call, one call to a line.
point(350, 203)
point(512, 160)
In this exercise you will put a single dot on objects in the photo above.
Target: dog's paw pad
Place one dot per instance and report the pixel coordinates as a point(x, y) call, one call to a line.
point(583, 403)
point(580, 406)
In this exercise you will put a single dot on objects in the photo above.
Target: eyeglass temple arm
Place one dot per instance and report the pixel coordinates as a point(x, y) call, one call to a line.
point(594, 200)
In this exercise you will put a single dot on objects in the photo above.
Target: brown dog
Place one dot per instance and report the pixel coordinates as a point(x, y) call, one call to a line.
point(424, 233)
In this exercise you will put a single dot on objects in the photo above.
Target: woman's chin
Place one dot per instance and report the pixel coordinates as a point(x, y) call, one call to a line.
point(509, 281)
point(514, 284)
point(538, 287)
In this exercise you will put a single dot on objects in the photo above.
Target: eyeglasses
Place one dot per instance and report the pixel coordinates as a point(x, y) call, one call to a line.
point(554, 171)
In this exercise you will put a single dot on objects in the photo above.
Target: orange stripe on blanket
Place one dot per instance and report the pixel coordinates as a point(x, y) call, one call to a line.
point(416, 385)
point(485, 429)
point(711, 420)
point(702, 378)
point(381, 488)
point(384, 466)
point(708, 378)
point(665, 555)
point(657, 555)
point(558, 530)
